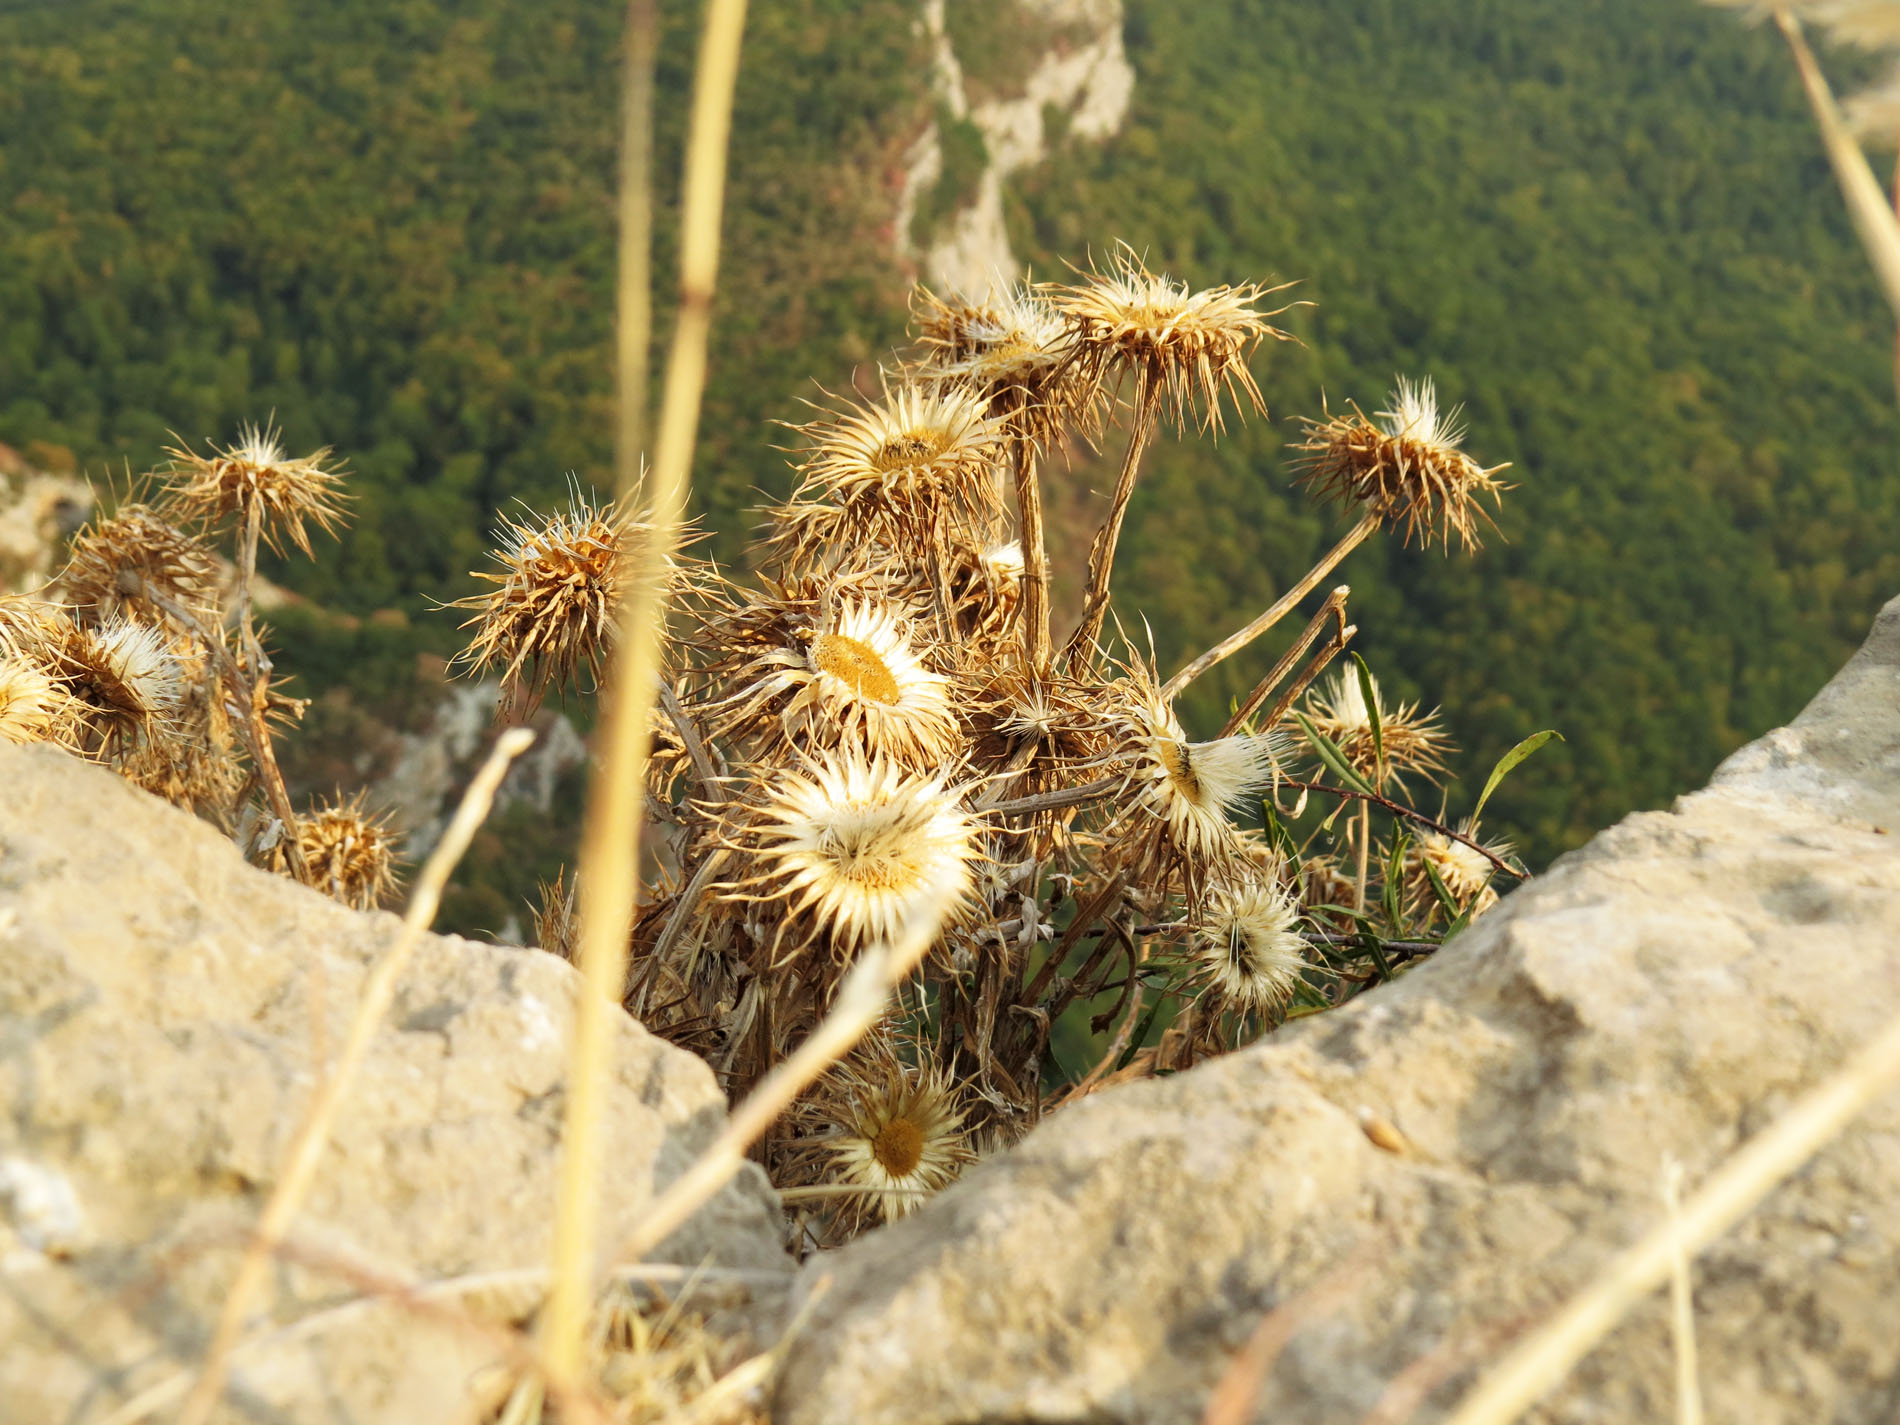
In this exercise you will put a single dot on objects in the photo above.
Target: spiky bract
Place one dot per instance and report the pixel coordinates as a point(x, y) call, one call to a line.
point(852, 850)
point(900, 1136)
point(1192, 788)
point(255, 474)
point(896, 474)
point(119, 562)
point(351, 854)
point(1248, 945)
point(819, 667)
point(33, 708)
point(1014, 347)
point(1464, 872)
point(552, 611)
point(1406, 467)
point(1407, 741)
point(127, 681)
point(1185, 348)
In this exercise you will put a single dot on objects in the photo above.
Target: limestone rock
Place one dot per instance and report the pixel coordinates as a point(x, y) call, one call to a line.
point(1661, 993)
point(161, 1007)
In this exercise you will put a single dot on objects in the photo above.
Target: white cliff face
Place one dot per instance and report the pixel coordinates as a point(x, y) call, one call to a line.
point(1089, 81)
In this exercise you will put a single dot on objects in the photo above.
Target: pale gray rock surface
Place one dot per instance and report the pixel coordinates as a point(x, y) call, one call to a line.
point(1661, 993)
point(160, 1002)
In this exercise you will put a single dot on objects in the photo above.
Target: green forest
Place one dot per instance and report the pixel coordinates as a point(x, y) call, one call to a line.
point(1604, 226)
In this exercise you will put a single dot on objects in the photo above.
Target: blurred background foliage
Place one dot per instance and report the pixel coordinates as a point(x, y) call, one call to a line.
point(1605, 226)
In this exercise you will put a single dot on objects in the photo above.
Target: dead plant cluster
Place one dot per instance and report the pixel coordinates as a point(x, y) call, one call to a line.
point(881, 726)
point(146, 655)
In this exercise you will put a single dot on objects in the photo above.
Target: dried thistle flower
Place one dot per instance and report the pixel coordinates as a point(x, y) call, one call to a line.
point(1412, 742)
point(1406, 468)
point(196, 764)
point(32, 706)
point(1192, 787)
point(901, 1135)
point(256, 474)
point(1248, 946)
point(557, 915)
point(895, 473)
point(853, 850)
point(553, 608)
point(1183, 347)
point(1464, 872)
point(827, 665)
point(1015, 349)
point(351, 854)
point(126, 680)
point(115, 561)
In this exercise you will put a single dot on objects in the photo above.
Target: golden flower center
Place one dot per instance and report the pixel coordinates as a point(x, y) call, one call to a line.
point(871, 858)
point(1175, 762)
point(911, 448)
point(857, 665)
point(899, 1147)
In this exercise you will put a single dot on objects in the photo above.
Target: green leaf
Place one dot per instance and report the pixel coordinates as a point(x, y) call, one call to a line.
point(1394, 877)
point(1277, 835)
point(1439, 889)
point(1371, 696)
point(1509, 760)
point(1376, 948)
point(1330, 754)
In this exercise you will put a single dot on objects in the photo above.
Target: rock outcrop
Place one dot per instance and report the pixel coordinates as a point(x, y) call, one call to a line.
point(163, 1008)
point(1471, 1143)
point(1082, 80)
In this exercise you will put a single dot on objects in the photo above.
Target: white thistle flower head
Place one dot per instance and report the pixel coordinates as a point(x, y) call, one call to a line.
point(1415, 415)
point(1195, 786)
point(31, 707)
point(903, 1137)
point(857, 850)
point(128, 679)
point(1249, 946)
point(868, 683)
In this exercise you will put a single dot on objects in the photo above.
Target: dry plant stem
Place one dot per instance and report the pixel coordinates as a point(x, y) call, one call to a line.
point(611, 846)
point(254, 728)
point(1725, 1197)
point(1334, 608)
point(1283, 605)
point(1681, 1306)
point(675, 926)
point(300, 1163)
point(695, 745)
point(1060, 797)
point(1102, 550)
point(1035, 559)
point(1397, 810)
point(860, 1004)
point(1364, 853)
point(1333, 648)
point(1873, 219)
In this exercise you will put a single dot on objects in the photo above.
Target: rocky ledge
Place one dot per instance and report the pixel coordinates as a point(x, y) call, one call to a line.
point(163, 1008)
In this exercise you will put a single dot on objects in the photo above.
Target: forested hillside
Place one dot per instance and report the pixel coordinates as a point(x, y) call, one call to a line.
point(1603, 225)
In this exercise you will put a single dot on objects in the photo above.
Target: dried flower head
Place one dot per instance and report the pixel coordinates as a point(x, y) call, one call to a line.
point(1408, 741)
point(351, 854)
point(1192, 787)
point(552, 610)
point(1248, 946)
point(900, 1138)
point(1406, 467)
point(116, 562)
point(1015, 348)
point(33, 708)
point(256, 475)
point(1183, 347)
point(854, 850)
point(823, 668)
point(895, 473)
point(196, 763)
point(126, 680)
point(1464, 872)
